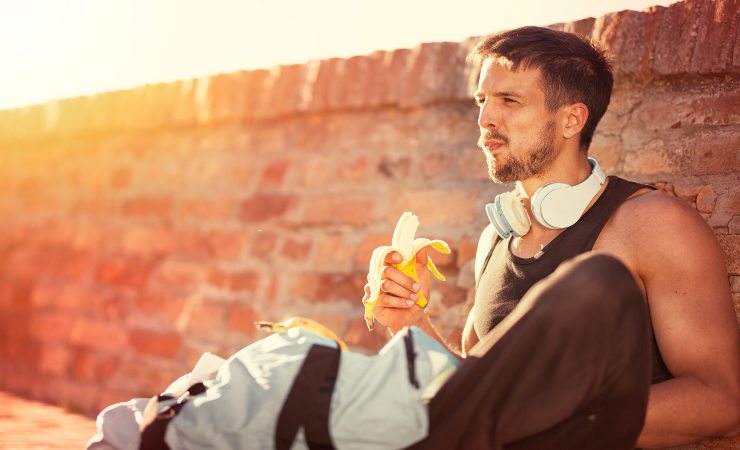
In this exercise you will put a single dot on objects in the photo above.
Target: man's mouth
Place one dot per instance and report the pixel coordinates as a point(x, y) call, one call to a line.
point(492, 146)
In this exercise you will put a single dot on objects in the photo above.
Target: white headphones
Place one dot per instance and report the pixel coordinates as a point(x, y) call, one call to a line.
point(554, 205)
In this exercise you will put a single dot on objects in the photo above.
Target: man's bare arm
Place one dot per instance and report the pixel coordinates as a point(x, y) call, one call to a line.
point(681, 265)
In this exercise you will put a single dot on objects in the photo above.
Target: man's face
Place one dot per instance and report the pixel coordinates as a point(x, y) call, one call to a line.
point(517, 130)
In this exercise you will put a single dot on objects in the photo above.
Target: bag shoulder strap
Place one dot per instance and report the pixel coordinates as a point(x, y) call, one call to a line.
point(309, 401)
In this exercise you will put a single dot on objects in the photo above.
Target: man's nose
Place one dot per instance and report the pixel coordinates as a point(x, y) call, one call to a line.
point(486, 119)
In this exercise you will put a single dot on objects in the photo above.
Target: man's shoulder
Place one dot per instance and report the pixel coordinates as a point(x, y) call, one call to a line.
point(652, 218)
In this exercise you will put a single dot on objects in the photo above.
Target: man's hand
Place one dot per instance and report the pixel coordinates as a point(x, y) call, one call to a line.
point(396, 306)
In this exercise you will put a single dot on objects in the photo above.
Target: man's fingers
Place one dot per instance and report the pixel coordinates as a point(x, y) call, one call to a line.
point(390, 287)
point(393, 258)
point(400, 278)
point(391, 301)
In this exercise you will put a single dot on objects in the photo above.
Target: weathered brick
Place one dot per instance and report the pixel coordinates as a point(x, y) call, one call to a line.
point(714, 51)
point(124, 272)
point(734, 225)
point(673, 56)
point(607, 150)
point(242, 318)
point(715, 154)
point(369, 243)
point(435, 72)
point(157, 343)
point(297, 249)
point(354, 171)
point(178, 275)
point(361, 339)
point(274, 173)
point(206, 317)
point(244, 280)
point(731, 246)
point(344, 210)
point(262, 207)
point(148, 206)
point(212, 207)
point(96, 334)
point(328, 287)
point(706, 199)
point(263, 244)
point(465, 252)
point(54, 359)
point(331, 251)
point(434, 207)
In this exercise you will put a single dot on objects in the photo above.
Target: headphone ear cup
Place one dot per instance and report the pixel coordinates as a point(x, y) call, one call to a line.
point(542, 208)
point(508, 216)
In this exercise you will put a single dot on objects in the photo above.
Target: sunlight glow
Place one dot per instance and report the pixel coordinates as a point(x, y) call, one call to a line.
point(55, 48)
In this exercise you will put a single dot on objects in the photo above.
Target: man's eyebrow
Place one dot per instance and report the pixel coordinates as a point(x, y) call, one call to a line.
point(507, 94)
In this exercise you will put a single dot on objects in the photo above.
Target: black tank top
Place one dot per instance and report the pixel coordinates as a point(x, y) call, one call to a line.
point(505, 278)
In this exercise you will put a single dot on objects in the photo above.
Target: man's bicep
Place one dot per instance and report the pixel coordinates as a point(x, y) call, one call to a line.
point(688, 293)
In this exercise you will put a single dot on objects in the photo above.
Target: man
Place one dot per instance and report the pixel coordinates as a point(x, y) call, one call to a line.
point(541, 94)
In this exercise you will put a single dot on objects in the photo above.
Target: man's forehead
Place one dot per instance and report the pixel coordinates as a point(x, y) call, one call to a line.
point(498, 71)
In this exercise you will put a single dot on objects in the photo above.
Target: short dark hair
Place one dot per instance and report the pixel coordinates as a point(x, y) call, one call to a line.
point(573, 68)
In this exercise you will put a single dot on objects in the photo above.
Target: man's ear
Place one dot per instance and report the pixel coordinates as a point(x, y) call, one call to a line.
point(575, 117)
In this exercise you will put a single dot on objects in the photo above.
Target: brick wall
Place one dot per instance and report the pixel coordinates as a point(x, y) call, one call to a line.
point(142, 227)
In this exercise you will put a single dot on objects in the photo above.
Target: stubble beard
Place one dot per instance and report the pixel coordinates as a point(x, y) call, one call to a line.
point(539, 158)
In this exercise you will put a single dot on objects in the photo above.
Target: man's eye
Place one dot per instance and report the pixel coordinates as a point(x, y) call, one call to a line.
point(509, 100)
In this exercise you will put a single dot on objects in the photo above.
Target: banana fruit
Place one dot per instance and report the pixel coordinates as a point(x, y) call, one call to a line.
point(404, 243)
point(306, 324)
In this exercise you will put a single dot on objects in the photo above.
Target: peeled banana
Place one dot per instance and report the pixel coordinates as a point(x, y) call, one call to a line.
point(306, 324)
point(404, 243)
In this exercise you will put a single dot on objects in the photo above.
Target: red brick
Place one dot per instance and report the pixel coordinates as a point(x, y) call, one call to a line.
point(328, 287)
point(274, 173)
point(54, 359)
point(332, 251)
point(471, 165)
point(673, 56)
point(202, 243)
point(369, 243)
point(164, 344)
point(435, 72)
point(466, 252)
point(263, 244)
point(263, 207)
point(220, 207)
point(178, 275)
point(83, 365)
point(273, 290)
point(97, 335)
point(157, 304)
point(245, 280)
point(317, 172)
point(731, 246)
point(434, 208)
point(714, 51)
point(124, 272)
point(242, 318)
point(148, 206)
point(52, 326)
point(206, 317)
point(451, 295)
point(705, 199)
point(297, 249)
point(359, 336)
point(356, 171)
point(715, 154)
point(339, 210)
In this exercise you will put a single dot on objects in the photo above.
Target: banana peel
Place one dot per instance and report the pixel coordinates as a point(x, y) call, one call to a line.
point(306, 324)
point(404, 243)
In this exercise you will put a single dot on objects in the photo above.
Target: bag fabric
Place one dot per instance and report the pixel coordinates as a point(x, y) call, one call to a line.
point(377, 402)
